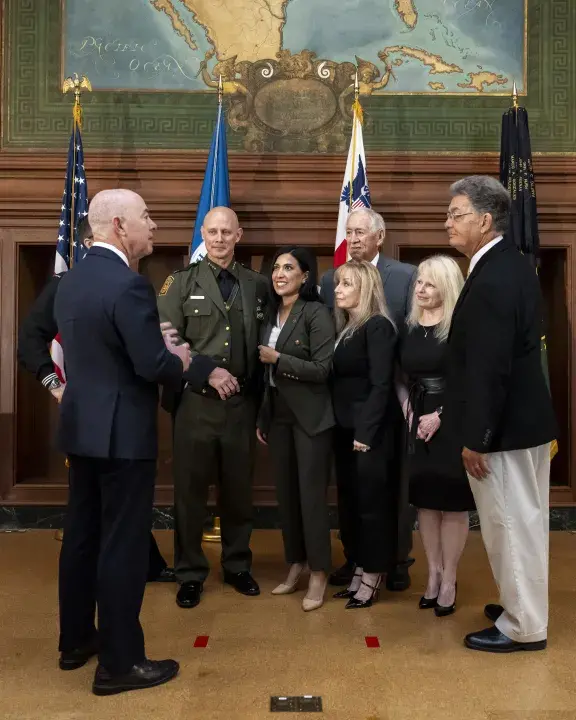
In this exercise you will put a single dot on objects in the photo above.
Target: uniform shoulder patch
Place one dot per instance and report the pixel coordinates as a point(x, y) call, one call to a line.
point(169, 280)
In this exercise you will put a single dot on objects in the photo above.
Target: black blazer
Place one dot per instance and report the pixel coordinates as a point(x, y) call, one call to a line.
point(363, 380)
point(306, 346)
point(115, 357)
point(496, 395)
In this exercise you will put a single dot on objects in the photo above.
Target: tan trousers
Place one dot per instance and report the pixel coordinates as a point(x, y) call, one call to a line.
point(513, 506)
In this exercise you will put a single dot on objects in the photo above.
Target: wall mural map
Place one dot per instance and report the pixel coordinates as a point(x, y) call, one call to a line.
point(410, 46)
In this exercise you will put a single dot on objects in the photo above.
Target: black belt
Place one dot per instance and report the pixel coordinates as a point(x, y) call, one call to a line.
point(419, 389)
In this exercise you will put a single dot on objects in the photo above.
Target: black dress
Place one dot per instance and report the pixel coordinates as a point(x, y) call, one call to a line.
point(437, 477)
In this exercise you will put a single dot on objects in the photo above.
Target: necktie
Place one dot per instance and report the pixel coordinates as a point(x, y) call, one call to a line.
point(226, 283)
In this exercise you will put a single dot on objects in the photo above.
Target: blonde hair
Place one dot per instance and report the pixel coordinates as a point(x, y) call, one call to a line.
point(445, 274)
point(372, 302)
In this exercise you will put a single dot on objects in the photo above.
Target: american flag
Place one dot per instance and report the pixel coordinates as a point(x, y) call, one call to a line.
point(355, 191)
point(74, 208)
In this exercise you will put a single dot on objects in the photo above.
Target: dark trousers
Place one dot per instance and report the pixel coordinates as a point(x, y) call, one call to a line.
point(104, 557)
point(214, 442)
point(367, 503)
point(302, 468)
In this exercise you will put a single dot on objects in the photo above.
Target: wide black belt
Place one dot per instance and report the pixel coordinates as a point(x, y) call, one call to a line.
point(419, 389)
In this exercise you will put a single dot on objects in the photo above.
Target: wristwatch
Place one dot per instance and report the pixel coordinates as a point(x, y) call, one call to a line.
point(54, 384)
point(439, 410)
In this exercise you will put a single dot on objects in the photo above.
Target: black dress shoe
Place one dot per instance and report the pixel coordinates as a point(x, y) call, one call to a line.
point(492, 640)
point(75, 659)
point(242, 582)
point(444, 610)
point(166, 575)
point(189, 594)
point(146, 674)
point(493, 612)
point(427, 603)
point(355, 604)
point(342, 576)
point(398, 579)
point(344, 594)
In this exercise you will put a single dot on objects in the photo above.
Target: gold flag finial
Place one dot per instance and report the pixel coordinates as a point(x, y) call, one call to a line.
point(78, 85)
point(356, 86)
point(514, 96)
point(220, 90)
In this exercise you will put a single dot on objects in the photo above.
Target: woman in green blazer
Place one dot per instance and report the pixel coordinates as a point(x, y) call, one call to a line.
point(296, 417)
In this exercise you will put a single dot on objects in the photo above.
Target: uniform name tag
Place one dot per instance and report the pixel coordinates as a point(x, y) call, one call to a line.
point(196, 297)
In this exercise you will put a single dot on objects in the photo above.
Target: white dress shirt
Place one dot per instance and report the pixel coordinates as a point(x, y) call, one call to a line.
point(274, 334)
point(482, 251)
point(113, 249)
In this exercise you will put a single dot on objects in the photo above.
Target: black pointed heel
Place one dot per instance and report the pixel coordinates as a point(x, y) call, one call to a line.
point(354, 604)
point(444, 610)
point(428, 603)
point(346, 594)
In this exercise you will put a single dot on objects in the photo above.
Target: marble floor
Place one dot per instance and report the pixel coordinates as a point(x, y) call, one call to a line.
point(258, 647)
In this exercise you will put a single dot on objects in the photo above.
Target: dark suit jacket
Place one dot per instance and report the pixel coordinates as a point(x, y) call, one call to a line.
point(115, 357)
point(306, 346)
point(397, 279)
point(496, 395)
point(363, 380)
point(37, 332)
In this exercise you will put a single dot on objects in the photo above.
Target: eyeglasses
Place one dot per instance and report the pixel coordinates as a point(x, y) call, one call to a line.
point(455, 218)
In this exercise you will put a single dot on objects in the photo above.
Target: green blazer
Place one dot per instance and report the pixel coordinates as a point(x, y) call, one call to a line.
point(306, 345)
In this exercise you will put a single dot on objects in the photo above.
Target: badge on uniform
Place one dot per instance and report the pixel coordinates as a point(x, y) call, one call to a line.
point(259, 313)
point(169, 280)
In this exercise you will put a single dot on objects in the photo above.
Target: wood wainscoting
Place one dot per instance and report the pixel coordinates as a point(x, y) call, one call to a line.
point(280, 200)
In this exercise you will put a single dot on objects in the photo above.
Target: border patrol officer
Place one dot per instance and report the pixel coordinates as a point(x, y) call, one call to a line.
point(216, 306)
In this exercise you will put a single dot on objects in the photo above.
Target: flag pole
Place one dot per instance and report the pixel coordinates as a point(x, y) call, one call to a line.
point(355, 107)
point(215, 534)
point(73, 83)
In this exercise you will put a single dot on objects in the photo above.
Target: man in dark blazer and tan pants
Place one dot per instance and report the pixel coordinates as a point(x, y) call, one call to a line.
point(115, 357)
point(498, 405)
point(365, 233)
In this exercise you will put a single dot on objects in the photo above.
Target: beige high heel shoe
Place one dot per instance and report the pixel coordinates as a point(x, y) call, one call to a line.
point(309, 604)
point(288, 588)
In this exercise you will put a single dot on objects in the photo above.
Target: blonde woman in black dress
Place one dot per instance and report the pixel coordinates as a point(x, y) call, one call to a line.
point(439, 487)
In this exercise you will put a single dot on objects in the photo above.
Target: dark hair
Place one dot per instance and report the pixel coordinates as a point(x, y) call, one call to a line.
point(83, 230)
point(486, 195)
point(307, 262)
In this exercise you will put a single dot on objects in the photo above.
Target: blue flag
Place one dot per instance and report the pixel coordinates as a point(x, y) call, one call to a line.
point(74, 204)
point(216, 186)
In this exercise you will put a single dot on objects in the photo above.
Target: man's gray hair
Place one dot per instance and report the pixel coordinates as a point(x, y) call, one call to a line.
point(486, 195)
point(377, 221)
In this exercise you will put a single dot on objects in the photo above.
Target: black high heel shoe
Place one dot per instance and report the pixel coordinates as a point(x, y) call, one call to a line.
point(346, 594)
point(428, 603)
point(354, 604)
point(444, 610)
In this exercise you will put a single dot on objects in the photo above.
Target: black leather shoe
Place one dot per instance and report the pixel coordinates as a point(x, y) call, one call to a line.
point(492, 640)
point(342, 576)
point(146, 674)
point(242, 582)
point(493, 612)
point(189, 594)
point(398, 579)
point(166, 575)
point(78, 658)
point(427, 603)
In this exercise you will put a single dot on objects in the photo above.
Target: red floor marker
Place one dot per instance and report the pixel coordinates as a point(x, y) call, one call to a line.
point(201, 641)
point(372, 641)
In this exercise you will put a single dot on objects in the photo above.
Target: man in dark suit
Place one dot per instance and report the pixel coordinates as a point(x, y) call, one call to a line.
point(365, 233)
point(498, 404)
point(115, 357)
point(36, 334)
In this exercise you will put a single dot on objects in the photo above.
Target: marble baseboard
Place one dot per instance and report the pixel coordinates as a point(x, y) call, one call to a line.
point(32, 517)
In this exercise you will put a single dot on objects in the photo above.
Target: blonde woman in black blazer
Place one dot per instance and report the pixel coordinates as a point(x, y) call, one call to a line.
point(364, 397)
point(296, 417)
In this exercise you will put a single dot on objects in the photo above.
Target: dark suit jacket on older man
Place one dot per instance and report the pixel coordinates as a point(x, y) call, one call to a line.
point(115, 357)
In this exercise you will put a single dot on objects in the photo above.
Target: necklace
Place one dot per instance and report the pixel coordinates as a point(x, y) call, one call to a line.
point(427, 329)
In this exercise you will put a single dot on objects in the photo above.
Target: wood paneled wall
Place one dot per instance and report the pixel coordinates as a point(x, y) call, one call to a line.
point(280, 199)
